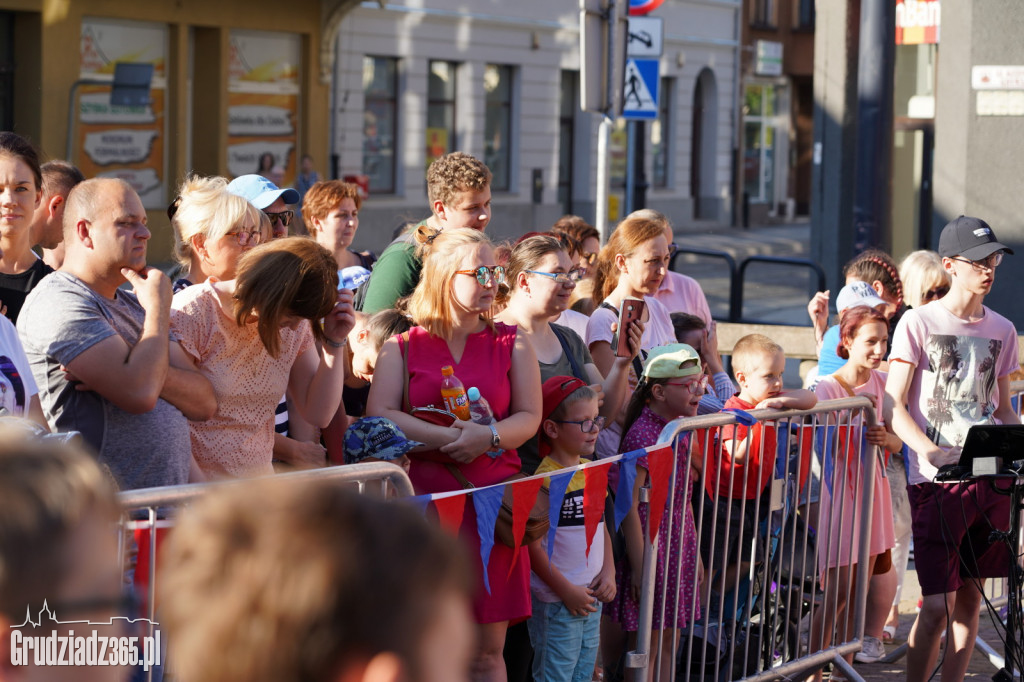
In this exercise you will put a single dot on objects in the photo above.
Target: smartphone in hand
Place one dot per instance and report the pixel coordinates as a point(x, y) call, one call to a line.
point(630, 310)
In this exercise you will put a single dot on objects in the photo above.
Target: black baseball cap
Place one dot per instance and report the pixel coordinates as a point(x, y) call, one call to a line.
point(971, 238)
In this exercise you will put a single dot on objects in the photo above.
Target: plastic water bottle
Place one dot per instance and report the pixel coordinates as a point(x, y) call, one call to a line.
point(481, 413)
point(454, 394)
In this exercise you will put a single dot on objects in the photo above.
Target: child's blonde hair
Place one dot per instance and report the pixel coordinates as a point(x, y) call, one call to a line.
point(749, 350)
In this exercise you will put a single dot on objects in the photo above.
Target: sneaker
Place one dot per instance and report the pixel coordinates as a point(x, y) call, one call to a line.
point(871, 651)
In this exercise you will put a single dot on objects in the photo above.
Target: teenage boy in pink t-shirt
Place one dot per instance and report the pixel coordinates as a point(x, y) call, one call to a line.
point(949, 370)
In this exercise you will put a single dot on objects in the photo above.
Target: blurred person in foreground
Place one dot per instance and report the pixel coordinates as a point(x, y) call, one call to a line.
point(58, 546)
point(277, 581)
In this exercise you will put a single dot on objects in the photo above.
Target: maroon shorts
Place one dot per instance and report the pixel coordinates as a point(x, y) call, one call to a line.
point(952, 525)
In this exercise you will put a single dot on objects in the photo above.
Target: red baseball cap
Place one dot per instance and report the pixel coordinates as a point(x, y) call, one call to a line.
point(555, 390)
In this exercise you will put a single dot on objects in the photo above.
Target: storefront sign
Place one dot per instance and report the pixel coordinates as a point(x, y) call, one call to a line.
point(917, 22)
point(1000, 103)
point(997, 77)
point(263, 101)
point(116, 141)
point(768, 58)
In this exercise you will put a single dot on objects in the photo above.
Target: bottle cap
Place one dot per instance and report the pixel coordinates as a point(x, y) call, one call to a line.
point(447, 370)
point(473, 393)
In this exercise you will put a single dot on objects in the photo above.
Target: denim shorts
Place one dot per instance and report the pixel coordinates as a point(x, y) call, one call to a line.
point(564, 645)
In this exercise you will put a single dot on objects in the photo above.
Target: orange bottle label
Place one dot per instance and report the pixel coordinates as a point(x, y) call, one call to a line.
point(455, 401)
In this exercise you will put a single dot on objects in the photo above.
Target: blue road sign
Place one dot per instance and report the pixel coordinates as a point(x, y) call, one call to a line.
point(640, 90)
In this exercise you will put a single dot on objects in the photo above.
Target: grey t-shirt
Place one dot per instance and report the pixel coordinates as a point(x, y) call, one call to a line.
point(528, 452)
point(62, 318)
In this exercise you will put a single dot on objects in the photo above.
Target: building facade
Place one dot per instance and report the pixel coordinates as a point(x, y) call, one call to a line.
point(501, 81)
point(231, 80)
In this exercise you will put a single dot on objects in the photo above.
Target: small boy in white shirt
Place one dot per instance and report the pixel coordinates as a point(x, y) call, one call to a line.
point(565, 627)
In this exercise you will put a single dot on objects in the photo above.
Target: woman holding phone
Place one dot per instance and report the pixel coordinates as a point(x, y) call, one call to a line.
point(629, 270)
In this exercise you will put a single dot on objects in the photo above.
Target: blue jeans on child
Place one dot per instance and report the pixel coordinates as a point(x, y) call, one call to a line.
point(564, 645)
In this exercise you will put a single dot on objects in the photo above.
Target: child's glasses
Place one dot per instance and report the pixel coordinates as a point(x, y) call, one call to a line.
point(696, 385)
point(587, 425)
point(485, 275)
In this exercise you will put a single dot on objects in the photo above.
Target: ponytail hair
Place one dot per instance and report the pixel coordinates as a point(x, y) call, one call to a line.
point(640, 398)
point(876, 265)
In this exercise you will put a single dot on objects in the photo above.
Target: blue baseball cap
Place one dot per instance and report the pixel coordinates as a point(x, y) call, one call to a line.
point(260, 192)
point(375, 437)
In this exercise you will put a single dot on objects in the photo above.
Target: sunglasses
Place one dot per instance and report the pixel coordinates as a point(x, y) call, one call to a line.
point(570, 277)
point(245, 238)
point(284, 216)
point(485, 276)
point(936, 293)
point(586, 426)
point(696, 385)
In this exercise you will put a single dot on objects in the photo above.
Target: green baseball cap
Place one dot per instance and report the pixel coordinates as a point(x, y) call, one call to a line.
point(672, 360)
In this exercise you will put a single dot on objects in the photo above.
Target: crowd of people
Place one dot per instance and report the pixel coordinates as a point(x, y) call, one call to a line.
point(266, 352)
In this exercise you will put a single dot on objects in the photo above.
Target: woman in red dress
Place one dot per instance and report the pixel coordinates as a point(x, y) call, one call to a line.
point(452, 306)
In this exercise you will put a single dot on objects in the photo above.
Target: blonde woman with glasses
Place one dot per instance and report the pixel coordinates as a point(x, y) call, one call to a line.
point(212, 229)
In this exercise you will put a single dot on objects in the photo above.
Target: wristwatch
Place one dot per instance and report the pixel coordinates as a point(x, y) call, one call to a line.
point(495, 438)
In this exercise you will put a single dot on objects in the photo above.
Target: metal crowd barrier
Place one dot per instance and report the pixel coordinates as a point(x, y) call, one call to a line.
point(150, 510)
point(768, 617)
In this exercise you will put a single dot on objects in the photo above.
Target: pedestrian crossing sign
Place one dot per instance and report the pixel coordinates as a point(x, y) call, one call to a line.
point(640, 90)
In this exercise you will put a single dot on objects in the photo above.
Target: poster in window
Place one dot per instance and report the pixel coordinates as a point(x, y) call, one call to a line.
point(117, 141)
point(263, 103)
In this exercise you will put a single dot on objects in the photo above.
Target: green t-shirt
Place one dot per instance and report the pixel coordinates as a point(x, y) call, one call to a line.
point(395, 274)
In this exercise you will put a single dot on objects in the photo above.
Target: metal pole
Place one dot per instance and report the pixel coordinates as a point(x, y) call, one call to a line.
point(601, 215)
point(628, 203)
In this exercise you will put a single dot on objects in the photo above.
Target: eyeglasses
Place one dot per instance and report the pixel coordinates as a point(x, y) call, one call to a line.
point(587, 425)
point(485, 275)
point(936, 293)
point(696, 385)
point(245, 238)
point(989, 263)
point(672, 248)
point(284, 216)
point(570, 277)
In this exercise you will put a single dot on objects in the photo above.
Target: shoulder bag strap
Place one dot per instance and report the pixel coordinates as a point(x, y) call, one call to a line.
point(577, 371)
point(459, 476)
point(406, 404)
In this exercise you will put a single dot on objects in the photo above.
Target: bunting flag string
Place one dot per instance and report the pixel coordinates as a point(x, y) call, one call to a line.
point(524, 495)
point(556, 494)
point(450, 511)
point(487, 502)
point(659, 467)
point(595, 489)
point(624, 492)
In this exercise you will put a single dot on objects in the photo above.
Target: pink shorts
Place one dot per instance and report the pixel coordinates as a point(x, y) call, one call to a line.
point(952, 525)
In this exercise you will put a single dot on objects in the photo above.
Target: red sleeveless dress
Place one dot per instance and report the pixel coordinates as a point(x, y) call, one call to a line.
point(486, 364)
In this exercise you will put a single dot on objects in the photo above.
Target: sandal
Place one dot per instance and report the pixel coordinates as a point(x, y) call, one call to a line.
point(888, 633)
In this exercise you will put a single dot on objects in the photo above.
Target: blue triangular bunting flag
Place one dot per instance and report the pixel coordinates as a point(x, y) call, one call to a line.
point(487, 502)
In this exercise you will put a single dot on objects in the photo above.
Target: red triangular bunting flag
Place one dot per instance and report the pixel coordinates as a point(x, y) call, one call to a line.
point(659, 468)
point(524, 496)
point(450, 511)
point(595, 488)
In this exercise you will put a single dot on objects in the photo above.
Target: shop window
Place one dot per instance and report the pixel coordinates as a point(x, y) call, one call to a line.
point(380, 122)
point(498, 125)
point(661, 135)
point(759, 142)
point(441, 136)
point(804, 19)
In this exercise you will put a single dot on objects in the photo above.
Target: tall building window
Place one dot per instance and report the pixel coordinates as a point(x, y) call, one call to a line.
point(763, 13)
point(804, 15)
point(380, 122)
point(498, 125)
point(661, 135)
point(567, 108)
point(6, 70)
point(440, 110)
